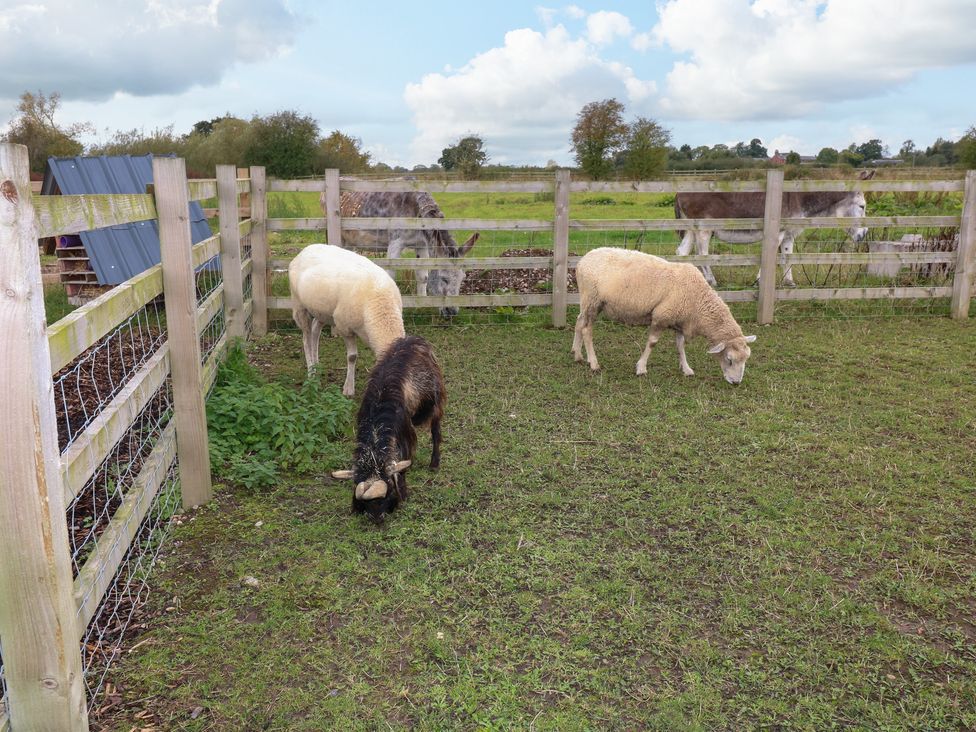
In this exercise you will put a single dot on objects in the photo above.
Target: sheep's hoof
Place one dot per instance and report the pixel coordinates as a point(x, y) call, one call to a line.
point(689, 372)
point(348, 392)
point(578, 357)
point(642, 371)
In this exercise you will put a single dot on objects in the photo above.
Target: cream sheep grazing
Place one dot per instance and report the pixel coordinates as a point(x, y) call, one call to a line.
point(334, 286)
point(641, 289)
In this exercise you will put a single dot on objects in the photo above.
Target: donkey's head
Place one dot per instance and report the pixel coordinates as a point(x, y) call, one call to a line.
point(377, 495)
point(855, 205)
point(442, 282)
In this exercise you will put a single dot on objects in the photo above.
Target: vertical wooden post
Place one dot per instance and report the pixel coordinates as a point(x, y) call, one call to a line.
point(962, 280)
point(230, 250)
point(560, 249)
point(332, 220)
point(770, 246)
point(38, 615)
point(245, 198)
point(179, 289)
point(259, 251)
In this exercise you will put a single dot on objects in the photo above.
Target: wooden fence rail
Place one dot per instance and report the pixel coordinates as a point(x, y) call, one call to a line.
point(44, 613)
point(560, 224)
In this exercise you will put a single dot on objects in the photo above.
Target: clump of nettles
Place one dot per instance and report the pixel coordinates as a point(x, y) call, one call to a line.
point(260, 428)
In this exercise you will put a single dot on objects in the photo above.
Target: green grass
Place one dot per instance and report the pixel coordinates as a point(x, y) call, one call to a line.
point(56, 304)
point(604, 551)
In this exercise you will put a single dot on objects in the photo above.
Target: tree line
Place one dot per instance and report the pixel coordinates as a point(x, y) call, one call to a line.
point(290, 144)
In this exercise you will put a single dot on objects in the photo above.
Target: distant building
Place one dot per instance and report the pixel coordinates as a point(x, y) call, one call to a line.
point(778, 158)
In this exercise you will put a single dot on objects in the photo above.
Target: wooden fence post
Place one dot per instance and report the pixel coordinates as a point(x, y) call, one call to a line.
point(332, 219)
point(179, 289)
point(560, 249)
point(259, 251)
point(770, 246)
point(962, 280)
point(38, 615)
point(230, 250)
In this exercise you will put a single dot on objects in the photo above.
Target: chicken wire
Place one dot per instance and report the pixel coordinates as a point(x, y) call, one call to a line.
point(3, 692)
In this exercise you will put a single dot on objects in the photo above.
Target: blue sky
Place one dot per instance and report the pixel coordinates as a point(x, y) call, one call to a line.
point(410, 78)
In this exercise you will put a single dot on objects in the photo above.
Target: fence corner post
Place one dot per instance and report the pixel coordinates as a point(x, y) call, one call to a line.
point(770, 246)
point(259, 251)
point(38, 613)
point(230, 250)
point(560, 249)
point(962, 279)
point(179, 291)
point(333, 222)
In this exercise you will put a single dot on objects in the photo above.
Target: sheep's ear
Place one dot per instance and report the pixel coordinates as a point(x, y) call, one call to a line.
point(750, 339)
point(342, 474)
point(717, 348)
point(466, 247)
point(376, 489)
point(399, 466)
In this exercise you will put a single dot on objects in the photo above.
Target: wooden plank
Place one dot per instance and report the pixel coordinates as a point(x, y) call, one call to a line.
point(212, 363)
point(846, 222)
point(664, 224)
point(210, 307)
point(57, 215)
point(230, 250)
point(370, 224)
point(863, 293)
point(243, 185)
point(247, 268)
point(905, 258)
point(792, 186)
point(313, 224)
point(560, 249)
point(91, 447)
point(667, 186)
point(441, 186)
point(259, 251)
point(100, 568)
point(962, 280)
point(316, 185)
point(38, 625)
point(180, 290)
point(202, 188)
point(333, 217)
point(205, 250)
point(242, 212)
point(76, 332)
point(770, 246)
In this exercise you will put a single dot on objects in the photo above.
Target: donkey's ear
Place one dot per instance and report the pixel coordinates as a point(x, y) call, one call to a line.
point(466, 247)
point(342, 474)
point(866, 174)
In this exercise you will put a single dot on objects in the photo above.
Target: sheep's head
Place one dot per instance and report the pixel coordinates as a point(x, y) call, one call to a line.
point(377, 495)
point(443, 282)
point(732, 356)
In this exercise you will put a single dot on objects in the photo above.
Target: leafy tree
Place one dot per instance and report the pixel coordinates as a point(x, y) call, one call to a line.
point(851, 156)
point(284, 142)
point(205, 127)
point(908, 150)
point(342, 152)
point(466, 156)
point(966, 149)
point(942, 152)
point(226, 144)
point(792, 158)
point(600, 133)
point(828, 156)
point(160, 141)
point(35, 126)
point(647, 149)
point(871, 150)
point(756, 149)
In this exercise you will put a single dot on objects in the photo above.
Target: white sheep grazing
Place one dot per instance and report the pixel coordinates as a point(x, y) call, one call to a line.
point(641, 289)
point(334, 286)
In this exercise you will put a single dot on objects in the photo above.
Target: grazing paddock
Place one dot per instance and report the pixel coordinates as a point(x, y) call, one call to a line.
point(602, 551)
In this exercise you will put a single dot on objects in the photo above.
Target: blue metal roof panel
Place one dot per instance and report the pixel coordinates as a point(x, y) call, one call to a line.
point(117, 253)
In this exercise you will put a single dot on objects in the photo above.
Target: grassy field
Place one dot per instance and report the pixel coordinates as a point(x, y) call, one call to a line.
point(603, 551)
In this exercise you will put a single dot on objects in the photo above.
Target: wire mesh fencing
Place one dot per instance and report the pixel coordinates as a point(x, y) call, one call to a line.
point(3, 692)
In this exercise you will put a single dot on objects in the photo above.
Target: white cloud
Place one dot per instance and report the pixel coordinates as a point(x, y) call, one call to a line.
point(603, 27)
point(789, 58)
point(90, 51)
point(546, 15)
point(575, 12)
point(785, 144)
point(521, 98)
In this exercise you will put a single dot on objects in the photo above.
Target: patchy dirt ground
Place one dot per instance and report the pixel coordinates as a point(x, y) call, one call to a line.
point(486, 281)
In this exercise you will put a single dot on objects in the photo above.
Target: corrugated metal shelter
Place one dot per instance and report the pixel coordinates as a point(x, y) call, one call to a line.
point(114, 254)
